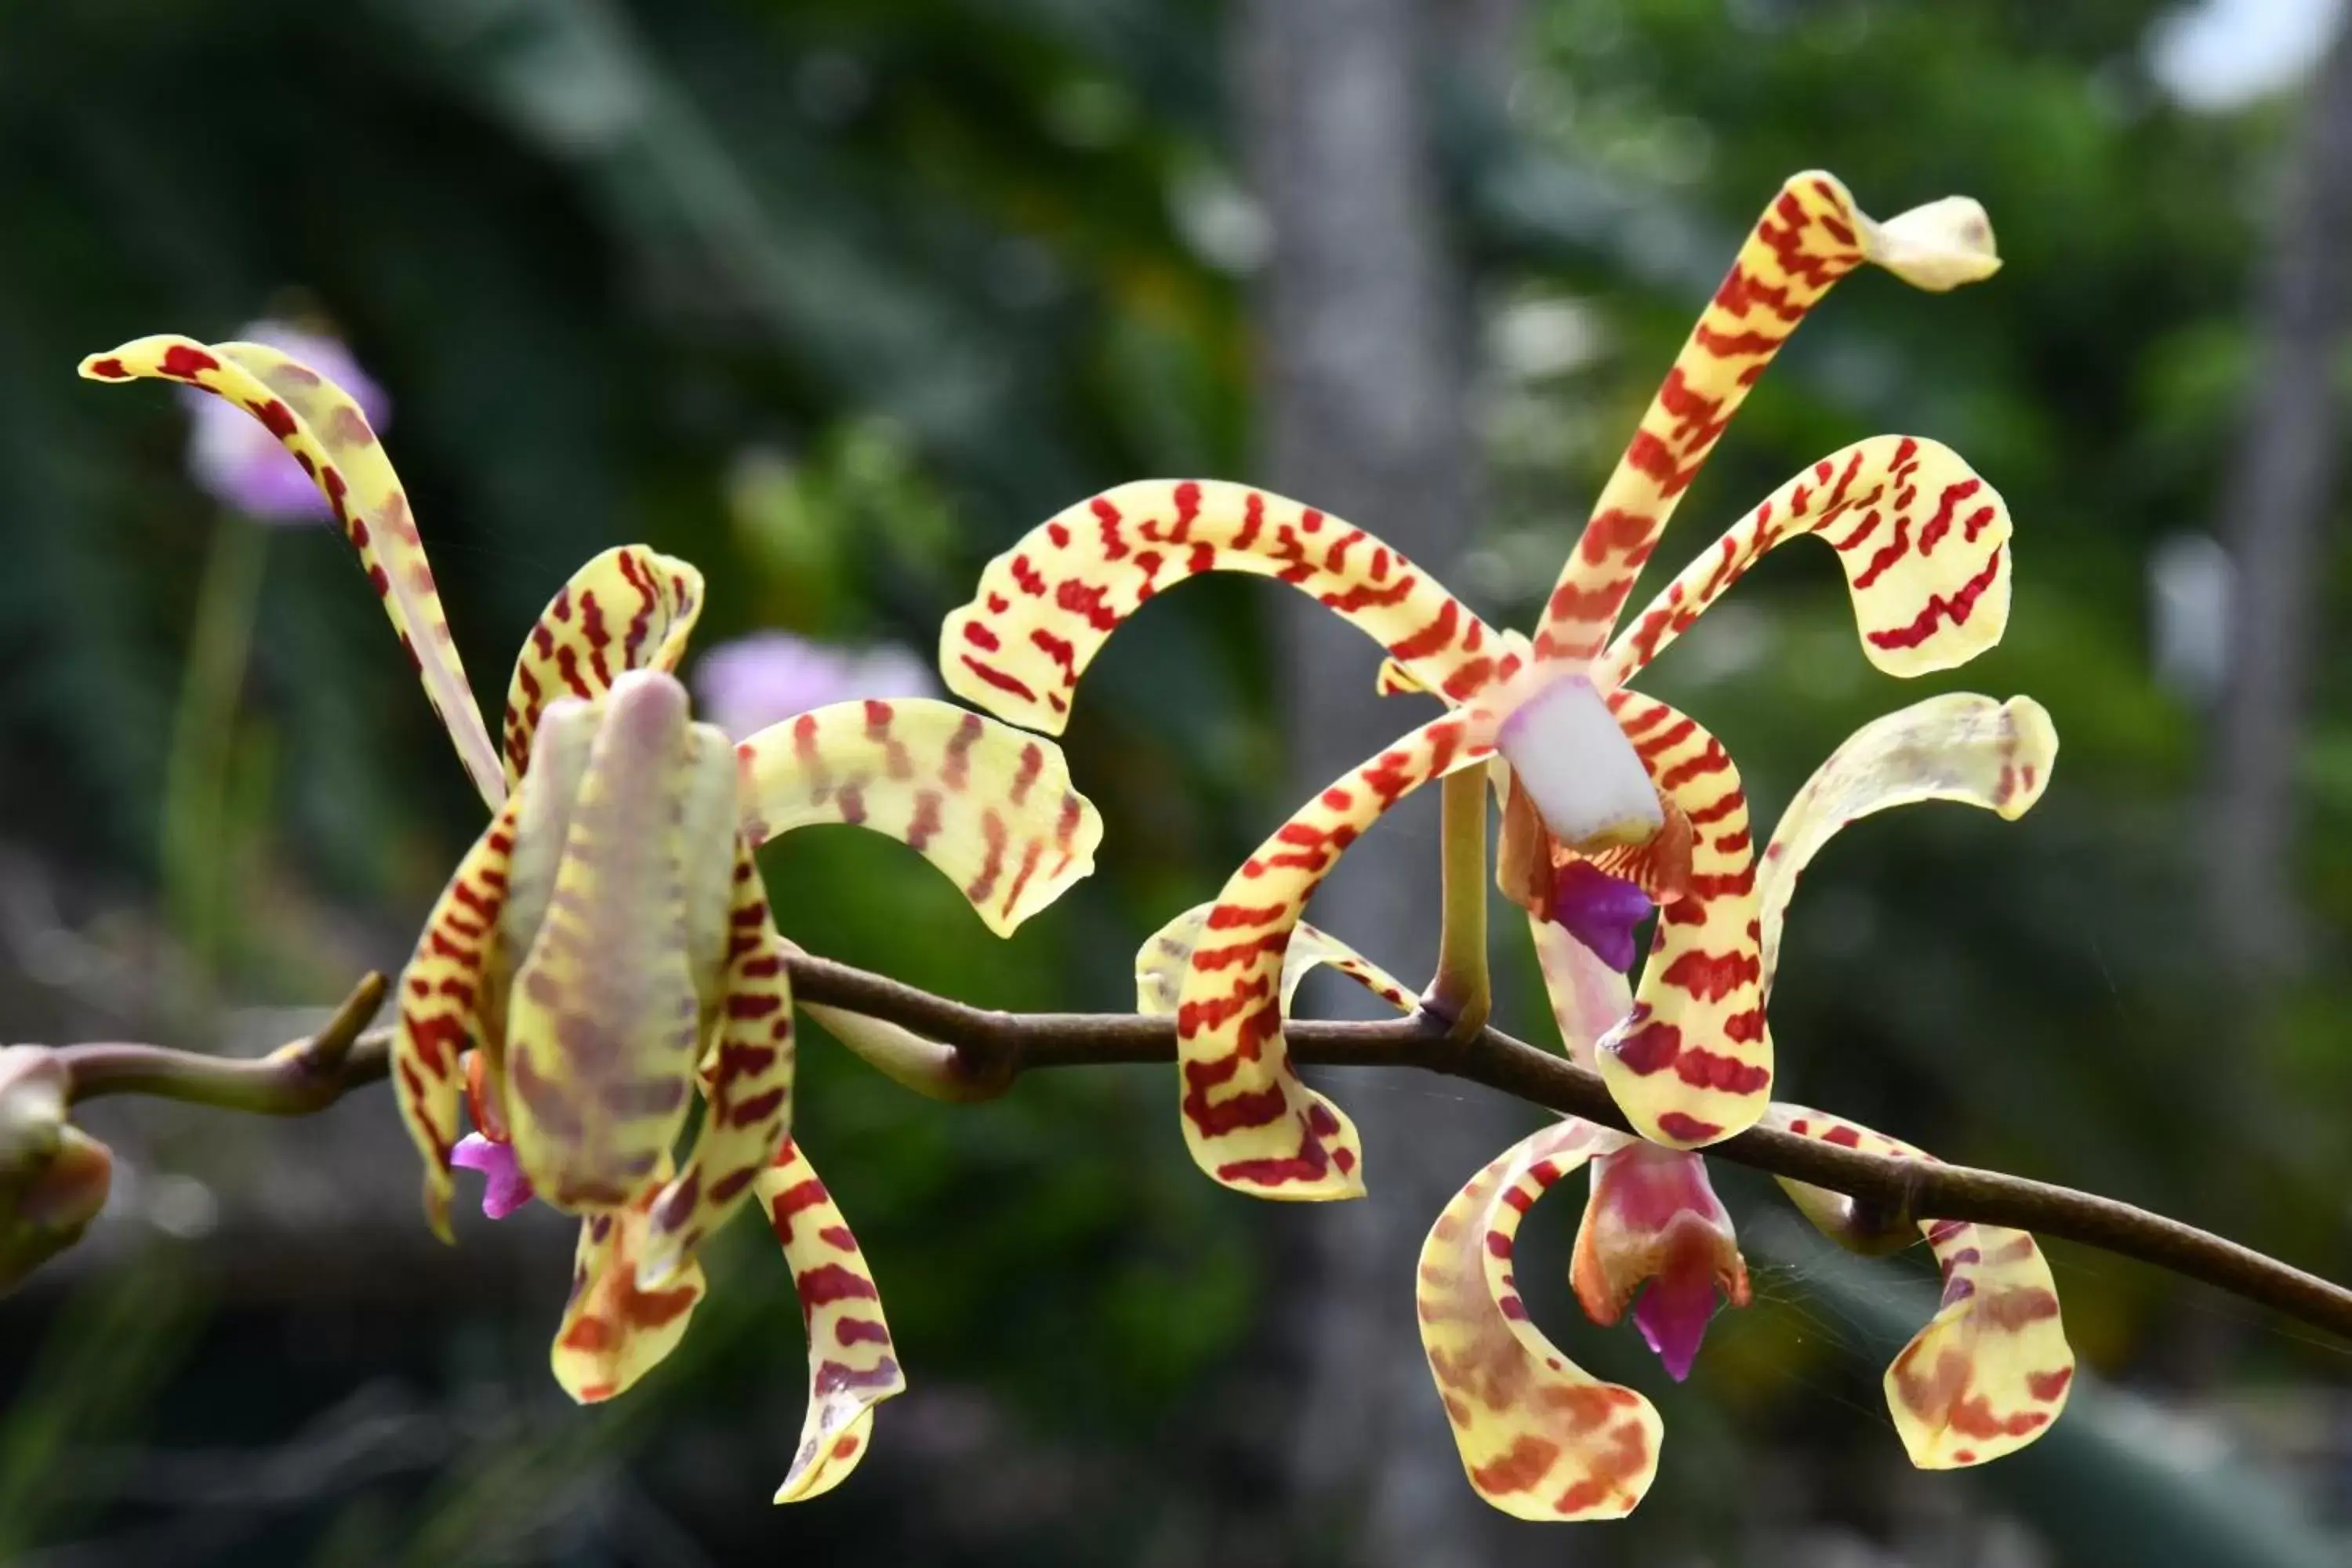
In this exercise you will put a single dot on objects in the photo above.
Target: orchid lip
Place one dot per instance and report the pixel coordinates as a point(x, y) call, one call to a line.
point(504, 1186)
point(1598, 911)
point(1588, 784)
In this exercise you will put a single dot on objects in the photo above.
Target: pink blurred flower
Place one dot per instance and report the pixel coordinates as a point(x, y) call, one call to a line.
point(747, 685)
point(236, 459)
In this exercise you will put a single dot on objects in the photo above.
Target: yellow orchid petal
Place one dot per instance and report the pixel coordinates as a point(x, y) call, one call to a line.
point(1044, 607)
point(852, 1365)
point(988, 805)
point(1162, 961)
point(449, 1005)
point(603, 1020)
point(629, 608)
point(613, 1332)
point(321, 425)
point(747, 1082)
point(1539, 1438)
point(1811, 236)
point(1248, 1119)
point(1395, 681)
point(1692, 1063)
point(1924, 544)
point(1960, 747)
point(1588, 997)
point(1992, 1368)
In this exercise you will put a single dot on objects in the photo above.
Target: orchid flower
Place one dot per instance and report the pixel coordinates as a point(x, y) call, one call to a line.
point(765, 679)
point(1599, 781)
point(604, 950)
point(1543, 1439)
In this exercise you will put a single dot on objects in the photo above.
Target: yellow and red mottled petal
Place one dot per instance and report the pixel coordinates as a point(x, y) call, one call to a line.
point(747, 1084)
point(1588, 997)
point(543, 798)
point(448, 1005)
point(1693, 1062)
point(604, 1022)
point(613, 1333)
point(1992, 1368)
point(321, 425)
point(989, 806)
point(1164, 959)
point(1248, 1119)
point(629, 608)
point(1539, 1438)
point(1924, 544)
point(1046, 605)
point(1395, 681)
point(1960, 747)
point(852, 1365)
point(1811, 236)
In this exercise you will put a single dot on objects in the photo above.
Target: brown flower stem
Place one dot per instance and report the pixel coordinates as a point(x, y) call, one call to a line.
point(295, 1079)
point(310, 1074)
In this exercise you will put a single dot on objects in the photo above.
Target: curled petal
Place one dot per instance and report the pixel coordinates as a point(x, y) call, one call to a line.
point(613, 1332)
point(242, 463)
point(1162, 961)
point(323, 426)
point(447, 992)
point(746, 1081)
point(1811, 236)
point(1992, 1368)
point(989, 806)
point(1937, 247)
point(1395, 681)
point(1589, 998)
point(1046, 605)
point(1693, 1062)
point(1539, 1438)
point(1248, 1119)
point(604, 1018)
point(853, 1366)
point(629, 608)
point(1923, 542)
point(1959, 746)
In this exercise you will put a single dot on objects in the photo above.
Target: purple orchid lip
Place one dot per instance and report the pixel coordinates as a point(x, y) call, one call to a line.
point(1673, 1315)
point(504, 1186)
point(1598, 911)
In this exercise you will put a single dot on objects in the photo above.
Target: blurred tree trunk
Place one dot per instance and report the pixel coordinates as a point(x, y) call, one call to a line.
point(2282, 489)
point(1366, 325)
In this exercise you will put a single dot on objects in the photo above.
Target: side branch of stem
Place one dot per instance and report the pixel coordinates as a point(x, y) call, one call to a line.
point(996, 1048)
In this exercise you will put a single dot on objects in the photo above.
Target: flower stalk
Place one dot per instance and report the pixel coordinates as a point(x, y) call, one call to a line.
point(1462, 991)
point(288, 1083)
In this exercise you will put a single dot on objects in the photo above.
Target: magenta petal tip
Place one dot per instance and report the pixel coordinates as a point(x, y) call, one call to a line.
point(504, 1186)
point(1673, 1315)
